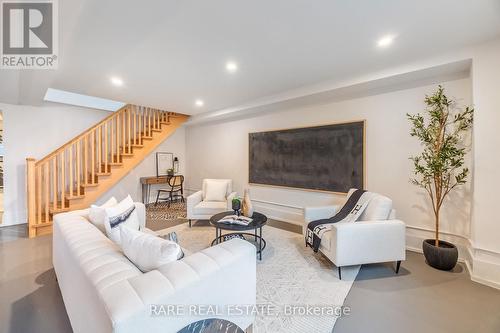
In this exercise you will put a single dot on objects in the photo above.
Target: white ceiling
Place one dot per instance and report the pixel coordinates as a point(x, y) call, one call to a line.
point(170, 53)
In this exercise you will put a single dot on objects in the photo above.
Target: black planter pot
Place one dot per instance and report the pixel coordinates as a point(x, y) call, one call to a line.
point(443, 257)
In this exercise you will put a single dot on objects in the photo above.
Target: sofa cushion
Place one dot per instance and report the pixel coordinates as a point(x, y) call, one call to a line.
point(97, 214)
point(210, 207)
point(228, 182)
point(215, 191)
point(378, 209)
point(124, 213)
point(147, 251)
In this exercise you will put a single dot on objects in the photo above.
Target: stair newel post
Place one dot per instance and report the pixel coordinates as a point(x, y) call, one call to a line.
point(31, 195)
point(46, 186)
point(54, 182)
point(63, 178)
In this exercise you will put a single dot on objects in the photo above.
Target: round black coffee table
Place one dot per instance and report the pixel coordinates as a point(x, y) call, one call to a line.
point(259, 220)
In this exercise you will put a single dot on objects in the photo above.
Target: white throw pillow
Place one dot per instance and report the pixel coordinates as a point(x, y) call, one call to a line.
point(97, 214)
point(147, 251)
point(124, 213)
point(378, 209)
point(216, 190)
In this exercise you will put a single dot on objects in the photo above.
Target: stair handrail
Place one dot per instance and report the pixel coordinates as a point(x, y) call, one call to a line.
point(85, 132)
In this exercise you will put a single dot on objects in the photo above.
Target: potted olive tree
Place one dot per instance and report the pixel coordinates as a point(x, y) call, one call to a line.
point(439, 168)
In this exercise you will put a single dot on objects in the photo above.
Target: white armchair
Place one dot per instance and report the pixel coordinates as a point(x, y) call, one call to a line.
point(376, 237)
point(215, 197)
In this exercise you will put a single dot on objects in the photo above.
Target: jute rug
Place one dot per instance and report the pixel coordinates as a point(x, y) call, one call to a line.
point(288, 275)
point(162, 216)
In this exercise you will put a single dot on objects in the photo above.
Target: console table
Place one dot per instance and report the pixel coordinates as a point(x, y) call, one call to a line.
point(146, 183)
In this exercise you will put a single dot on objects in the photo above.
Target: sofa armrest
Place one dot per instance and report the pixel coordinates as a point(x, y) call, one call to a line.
point(364, 242)
point(192, 201)
point(201, 279)
point(229, 200)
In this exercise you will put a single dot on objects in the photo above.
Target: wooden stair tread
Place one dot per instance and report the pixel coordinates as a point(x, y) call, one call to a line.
point(90, 185)
point(58, 210)
point(103, 173)
point(43, 224)
point(74, 196)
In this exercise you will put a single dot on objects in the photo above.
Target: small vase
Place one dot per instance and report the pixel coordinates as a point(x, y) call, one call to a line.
point(247, 204)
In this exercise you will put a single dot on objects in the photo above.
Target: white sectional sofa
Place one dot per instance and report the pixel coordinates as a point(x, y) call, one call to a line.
point(376, 237)
point(104, 292)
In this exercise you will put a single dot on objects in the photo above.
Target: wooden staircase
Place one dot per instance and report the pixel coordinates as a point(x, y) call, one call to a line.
point(75, 175)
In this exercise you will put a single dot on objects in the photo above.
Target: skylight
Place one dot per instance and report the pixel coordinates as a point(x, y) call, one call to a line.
point(66, 97)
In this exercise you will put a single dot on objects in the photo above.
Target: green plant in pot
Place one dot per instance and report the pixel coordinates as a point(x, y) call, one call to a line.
point(440, 167)
point(236, 205)
point(170, 172)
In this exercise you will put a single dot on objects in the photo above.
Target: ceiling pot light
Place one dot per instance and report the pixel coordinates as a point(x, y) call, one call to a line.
point(385, 41)
point(231, 66)
point(116, 81)
point(199, 103)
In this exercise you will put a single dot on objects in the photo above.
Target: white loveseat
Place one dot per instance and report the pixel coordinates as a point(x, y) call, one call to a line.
point(104, 292)
point(201, 207)
point(376, 237)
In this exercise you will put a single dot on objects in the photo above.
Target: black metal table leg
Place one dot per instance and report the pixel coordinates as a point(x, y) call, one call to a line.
point(260, 244)
point(148, 193)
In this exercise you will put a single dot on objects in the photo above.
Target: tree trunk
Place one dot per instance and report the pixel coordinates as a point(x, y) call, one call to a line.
point(437, 228)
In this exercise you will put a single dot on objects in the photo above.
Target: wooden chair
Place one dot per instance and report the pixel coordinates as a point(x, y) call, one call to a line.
point(175, 190)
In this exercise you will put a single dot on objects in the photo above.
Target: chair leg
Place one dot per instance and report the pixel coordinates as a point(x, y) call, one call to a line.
point(157, 198)
point(340, 273)
point(398, 264)
point(190, 223)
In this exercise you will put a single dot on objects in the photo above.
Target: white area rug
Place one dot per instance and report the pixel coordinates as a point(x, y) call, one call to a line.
point(289, 274)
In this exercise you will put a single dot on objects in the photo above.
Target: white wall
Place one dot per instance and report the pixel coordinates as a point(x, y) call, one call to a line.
point(485, 238)
point(35, 131)
point(221, 150)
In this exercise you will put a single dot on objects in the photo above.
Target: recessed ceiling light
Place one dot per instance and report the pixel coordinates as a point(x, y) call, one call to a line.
point(117, 81)
point(385, 41)
point(231, 66)
point(199, 103)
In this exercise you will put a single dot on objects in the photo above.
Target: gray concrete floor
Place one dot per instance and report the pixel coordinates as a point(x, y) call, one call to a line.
point(419, 299)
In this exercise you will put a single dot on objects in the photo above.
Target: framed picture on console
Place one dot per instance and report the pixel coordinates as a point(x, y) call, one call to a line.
point(164, 161)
